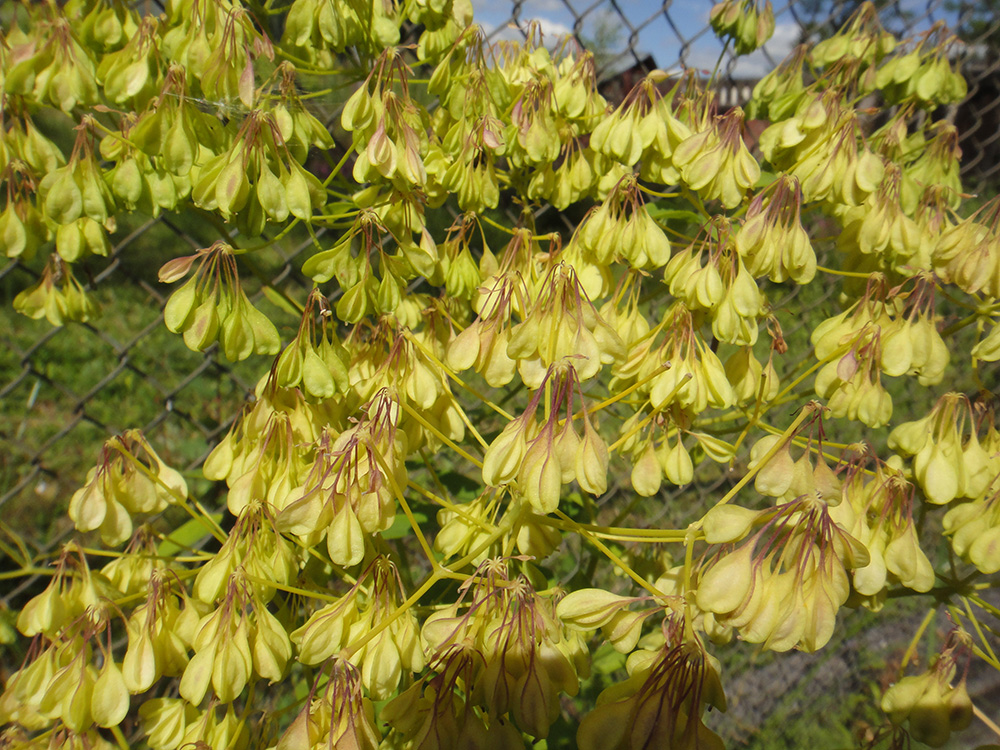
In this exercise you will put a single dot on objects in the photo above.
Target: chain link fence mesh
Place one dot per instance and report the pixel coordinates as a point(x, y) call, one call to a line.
point(63, 391)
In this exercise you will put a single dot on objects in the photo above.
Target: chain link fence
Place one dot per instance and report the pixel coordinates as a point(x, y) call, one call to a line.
point(63, 391)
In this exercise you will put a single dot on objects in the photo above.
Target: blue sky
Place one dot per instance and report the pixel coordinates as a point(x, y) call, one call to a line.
point(655, 35)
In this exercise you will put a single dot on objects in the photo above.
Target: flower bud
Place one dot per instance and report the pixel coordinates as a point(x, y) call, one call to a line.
point(728, 582)
point(109, 702)
point(589, 609)
point(727, 523)
point(505, 455)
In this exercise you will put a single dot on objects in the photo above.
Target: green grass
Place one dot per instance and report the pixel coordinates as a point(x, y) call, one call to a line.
point(72, 388)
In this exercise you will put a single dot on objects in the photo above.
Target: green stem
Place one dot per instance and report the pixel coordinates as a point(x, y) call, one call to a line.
point(912, 648)
point(979, 631)
point(618, 533)
point(618, 561)
point(119, 738)
point(807, 411)
point(25, 572)
point(441, 436)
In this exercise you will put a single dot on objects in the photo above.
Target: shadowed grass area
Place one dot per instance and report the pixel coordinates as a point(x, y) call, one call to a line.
point(67, 390)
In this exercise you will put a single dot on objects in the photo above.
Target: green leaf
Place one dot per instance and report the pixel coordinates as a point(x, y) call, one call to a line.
point(8, 632)
point(283, 302)
point(766, 178)
point(462, 488)
point(662, 215)
point(187, 536)
point(537, 576)
point(401, 525)
point(606, 660)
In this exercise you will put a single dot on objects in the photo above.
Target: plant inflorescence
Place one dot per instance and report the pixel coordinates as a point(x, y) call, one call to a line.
point(478, 416)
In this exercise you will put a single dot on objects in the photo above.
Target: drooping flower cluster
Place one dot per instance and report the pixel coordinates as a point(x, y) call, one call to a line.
point(459, 396)
point(931, 707)
point(784, 586)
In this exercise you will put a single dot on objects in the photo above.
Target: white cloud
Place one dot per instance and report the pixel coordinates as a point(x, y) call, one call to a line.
point(533, 7)
point(508, 32)
point(552, 31)
point(700, 58)
point(756, 64)
point(529, 9)
point(784, 39)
